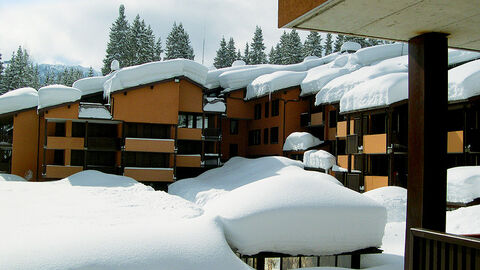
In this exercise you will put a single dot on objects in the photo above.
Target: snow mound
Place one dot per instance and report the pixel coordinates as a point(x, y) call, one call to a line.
point(93, 178)
point(459, 56)
point(463, 184)
point(292, 214)
point(11, 177)
point(269, 83)
point(213, 81)
point(298, 141)
point(394, 199)
point(333, 91)
point(369, 55)
point(154, 72)
point(350, 46)
point(237, 63)
point(464, 81)
point(18, 99)
point(215, 105)
point(378, 92)
point(91, 85)
point(465, 220)
point(318, 159)
point(57, 94)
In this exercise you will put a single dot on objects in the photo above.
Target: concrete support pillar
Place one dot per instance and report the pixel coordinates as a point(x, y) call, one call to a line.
point(427, 134)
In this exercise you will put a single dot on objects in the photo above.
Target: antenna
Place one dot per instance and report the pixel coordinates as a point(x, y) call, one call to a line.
point(203, 45)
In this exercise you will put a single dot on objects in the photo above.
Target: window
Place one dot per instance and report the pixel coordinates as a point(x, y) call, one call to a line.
point(233, 150)
point(140, 130)
point(190, 120)
point(274, 135)
point(144, 159)
point(258, 111)
point(265, 136)
point(233, 126)
point(275, 107)
point(254, 137)
point(182, 121)
point(267, 109)
point(60, 129)
point(332, 119)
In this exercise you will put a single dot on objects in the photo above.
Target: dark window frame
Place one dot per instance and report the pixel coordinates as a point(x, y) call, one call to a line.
point(265, 136)
point(267, 109)
point(234, 127)
point(274, 135)
point(275, 107)
point(257, 111)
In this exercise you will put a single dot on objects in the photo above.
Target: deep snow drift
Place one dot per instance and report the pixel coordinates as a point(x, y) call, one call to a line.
point(463, 184)
point(464, 81)
point(272, 204)
point(319, 159)
point(56, 95)
point(298, 141)
point(19, 99)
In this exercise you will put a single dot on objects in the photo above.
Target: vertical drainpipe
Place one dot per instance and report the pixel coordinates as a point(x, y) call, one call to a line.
point(44, 166)
point(175, 153)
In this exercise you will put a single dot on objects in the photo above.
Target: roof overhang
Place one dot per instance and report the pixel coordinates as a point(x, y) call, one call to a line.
point(387, 19)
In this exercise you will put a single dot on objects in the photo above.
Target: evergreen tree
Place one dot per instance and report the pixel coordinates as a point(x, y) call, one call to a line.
point(178, 44)
point(35, 83)
point(246, 54)
point(273, 56)
point(313, 45)
point(231, 52)
point(50, 78)
point(90, 72)
point(220, 60)
point(328, 44)
point(117, 47)
point(20, 71)
point(257, 54)
point(338, 43)
point(239, 55)
point(141, 43)
point(1, 73)
point(158, 50)
point(294, 49)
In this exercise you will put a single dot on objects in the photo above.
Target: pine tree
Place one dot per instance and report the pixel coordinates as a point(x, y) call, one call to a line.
point(158, 50)
point(339, 40)
point(90, 72)
point(35, 83)
point(231, 52)
point(295, 48)
point(220, 60)
point(20, 71)
point(239, 55)
point(273, 56)
point(328, 44)
point(246, 54)
point(49, 78)
point(178, 44)
point(313, 45)
point(257, 54)
point(117, 47)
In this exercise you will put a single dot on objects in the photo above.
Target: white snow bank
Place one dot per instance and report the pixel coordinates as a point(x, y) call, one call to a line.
point(333, 91)
point(213, 81)
point(97, 221)
point(94, 111)
point(369, 55)
point(465, 220)
point(394, 199)
point(11, 177)
point(458, 56)
point(153, 72)
point(19, 99)
point(298, 141)
point(215, 105)
point(57, 94)
point(463, 184)
point(381, 91)
point(464, 81)
point(240, 78)
point(293, 214)
point(237, 63)
point(91, 85)
point(318, 159)
point(350, 46)
point(269, 83)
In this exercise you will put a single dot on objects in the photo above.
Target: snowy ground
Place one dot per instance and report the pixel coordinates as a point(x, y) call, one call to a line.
point(97, 221)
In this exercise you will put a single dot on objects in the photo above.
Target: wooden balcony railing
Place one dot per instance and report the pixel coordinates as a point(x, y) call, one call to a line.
point(60, 171)
point(150, 145)
point(189, 134)
point(375, 144)
point(455, 142)
point(436, 250)
point(316, 119)
point(342, 129)
point(192, 161)
point(373, 182)
point(212, 133)
point(103, 143)
point(352, 144)
point(149, 174)
point(65, 143)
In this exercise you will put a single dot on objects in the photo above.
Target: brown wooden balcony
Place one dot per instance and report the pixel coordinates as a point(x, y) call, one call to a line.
point(342, 161)
point(150, 145)
point(149, 174)
point(192, 161)
point(60, 171)
point(212, 134)
point(103, 143)
point(65, 143)
point(455, 142)
point(373, 182)
point(316, 119)
point(352, 144)
point(342, 129)
point(375, 144)
point(189, 134)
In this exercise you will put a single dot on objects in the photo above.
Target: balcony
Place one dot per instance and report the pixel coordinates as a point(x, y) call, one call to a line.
point(455, 142)
point(352, 144)
point(103, 143)
point(373, 182)
point(189, 134)
point(59, 171)
point(212, 134)
point(150, 145)
point(375, 144)
point(65, 143)
point(191, 161)
point(316, 119)
point(342, 129)
point(342, 161)
point(211, 160)
point(149, 174)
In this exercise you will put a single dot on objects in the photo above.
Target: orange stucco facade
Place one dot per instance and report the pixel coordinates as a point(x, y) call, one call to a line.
point(25, 143)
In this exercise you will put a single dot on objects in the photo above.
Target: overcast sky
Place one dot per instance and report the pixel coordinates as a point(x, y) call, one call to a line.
point(76, 31)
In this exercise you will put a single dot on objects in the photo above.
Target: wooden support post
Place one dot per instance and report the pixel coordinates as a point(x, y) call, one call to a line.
point(427, 135)
point(260, 263)
point(355, 261)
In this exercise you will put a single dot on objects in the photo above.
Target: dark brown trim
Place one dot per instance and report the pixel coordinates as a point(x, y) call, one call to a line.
point(58, 106)
point(159, 82)
point(15, 112)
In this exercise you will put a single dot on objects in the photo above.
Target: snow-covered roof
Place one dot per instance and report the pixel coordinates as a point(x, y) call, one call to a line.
point(155, 71)
point(318, 159)
point(464, 81)
point(459, 56)
point(91, 85)
point(463, 184)
point(269, 83)
point(212, 77)
point(215, 105)
point(57, 94)
point(298, 141)
point(240, 78)
point(370, 55)
point(18, 99)
point(350, 46)
point(378, 92)
point(333, 91)
point(93, 111)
